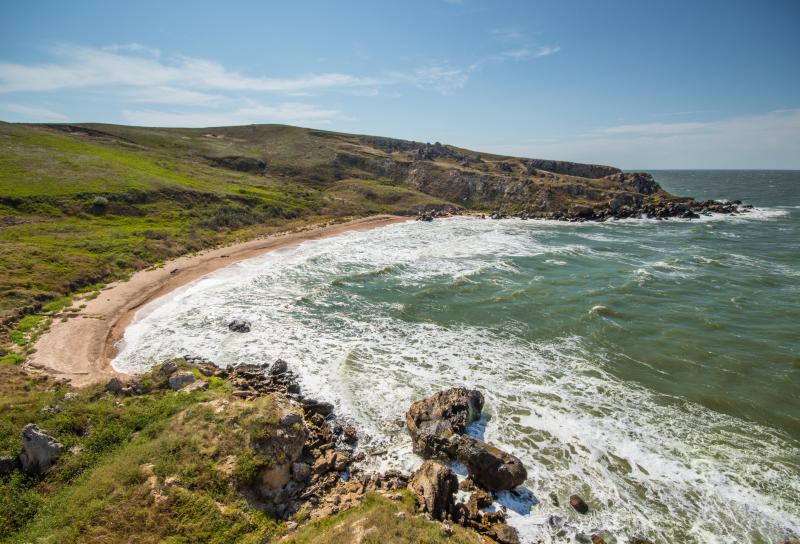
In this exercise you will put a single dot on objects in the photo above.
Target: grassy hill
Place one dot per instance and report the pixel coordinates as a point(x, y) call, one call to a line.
point(85, 204)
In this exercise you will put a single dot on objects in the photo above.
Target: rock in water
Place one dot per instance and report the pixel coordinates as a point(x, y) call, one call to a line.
point(239, 325)
point(504, 534)
point(433, 421)
point(39, 450)
point(435, 485)
point(179, 380)
point(491, 468)
point(578, 504)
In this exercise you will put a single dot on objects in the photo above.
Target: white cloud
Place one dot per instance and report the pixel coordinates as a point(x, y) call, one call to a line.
point(654, 129)
point(170, 95)
point(528, 52)
point(288, 112)
point(32, 113)
point(768, 140)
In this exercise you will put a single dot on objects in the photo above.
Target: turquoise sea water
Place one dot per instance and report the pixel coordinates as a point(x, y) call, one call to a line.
point(651, 366)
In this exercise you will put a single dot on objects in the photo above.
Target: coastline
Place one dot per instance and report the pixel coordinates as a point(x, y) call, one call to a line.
point(81, 348)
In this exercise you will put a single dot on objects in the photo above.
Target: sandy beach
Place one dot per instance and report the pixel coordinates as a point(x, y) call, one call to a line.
point(81, 348)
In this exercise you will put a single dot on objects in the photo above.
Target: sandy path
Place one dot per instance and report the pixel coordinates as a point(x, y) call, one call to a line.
point(81, 349)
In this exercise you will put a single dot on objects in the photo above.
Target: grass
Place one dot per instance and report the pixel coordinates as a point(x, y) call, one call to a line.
point(77, 210)
point(379, 520)
point(122, 450)
point(166, 466)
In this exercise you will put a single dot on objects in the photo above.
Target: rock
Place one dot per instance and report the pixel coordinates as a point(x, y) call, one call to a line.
point(168, 368)
point(179, 380)
point(317, 407)
point(490, 467)
point(279, 367)
point(504, 534)
point(301, 472)
point(8, 463)
point(433, 421)
point(576, 502)
point(239, 325)
point(115, 385)
point(39, 450)
point(434, 485)
point(197, 385)
point(597, 539)
point(477, 501)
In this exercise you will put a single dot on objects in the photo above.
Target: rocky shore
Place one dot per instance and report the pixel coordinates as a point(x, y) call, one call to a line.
point(314, 456)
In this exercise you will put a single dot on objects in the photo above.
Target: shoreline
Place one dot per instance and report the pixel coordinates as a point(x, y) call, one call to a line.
point(81, 349)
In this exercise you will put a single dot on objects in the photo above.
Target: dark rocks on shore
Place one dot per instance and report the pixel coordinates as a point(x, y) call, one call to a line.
point(239, 325)
point(179, 380)
point(438, 425)
point(435, 486)
point(580, 506)
point(490, 467)
point(39, 450)
point(433, 421)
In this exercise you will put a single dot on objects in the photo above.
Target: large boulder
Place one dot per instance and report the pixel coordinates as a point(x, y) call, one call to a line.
point(435, 484)
point(239, 325)
point(39, 450)
point(490, 467)
point(434, 421)
point(179, 380)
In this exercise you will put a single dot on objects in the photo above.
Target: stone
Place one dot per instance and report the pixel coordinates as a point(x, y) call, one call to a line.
point(490, 467)
point(197, 385)
point(39, 450)
point(317, 407)
point(279, 367)
point(504, 534)
point(239, 325)
point(301, 472)
point(8, 463)
point(576, 502)
point(434, 484)
point(168, 368)
point(115, 385)
point(597, 539)
point(179, 380)
point(433, 421)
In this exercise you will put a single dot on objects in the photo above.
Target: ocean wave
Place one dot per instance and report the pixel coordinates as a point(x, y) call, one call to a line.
point(649, 464)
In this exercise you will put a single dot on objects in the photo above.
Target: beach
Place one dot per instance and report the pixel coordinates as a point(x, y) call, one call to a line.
point(81, 348)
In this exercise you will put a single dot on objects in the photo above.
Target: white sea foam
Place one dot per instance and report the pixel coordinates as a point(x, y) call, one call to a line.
point(648, 464)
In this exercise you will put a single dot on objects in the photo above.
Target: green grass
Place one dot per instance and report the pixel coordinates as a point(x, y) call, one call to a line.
point(77, 210)
point(379, 520)
point(113, 481)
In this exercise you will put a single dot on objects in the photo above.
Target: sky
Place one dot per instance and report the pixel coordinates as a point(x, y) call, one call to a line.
point(636, 84)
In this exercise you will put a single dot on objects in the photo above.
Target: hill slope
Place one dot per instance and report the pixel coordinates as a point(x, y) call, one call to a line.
point(82, 204)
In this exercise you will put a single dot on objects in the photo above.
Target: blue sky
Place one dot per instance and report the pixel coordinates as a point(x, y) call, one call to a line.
point(637, 84)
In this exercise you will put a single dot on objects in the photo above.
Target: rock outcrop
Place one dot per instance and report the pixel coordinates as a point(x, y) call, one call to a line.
point(434, 421)
point(435, 486)
point(438, 425)
point(239, 325)
point(39, 450)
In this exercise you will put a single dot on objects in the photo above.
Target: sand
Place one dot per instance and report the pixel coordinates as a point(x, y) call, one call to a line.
point(81, 348)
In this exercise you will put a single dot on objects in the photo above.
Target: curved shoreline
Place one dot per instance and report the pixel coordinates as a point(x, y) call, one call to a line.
point(81, 348)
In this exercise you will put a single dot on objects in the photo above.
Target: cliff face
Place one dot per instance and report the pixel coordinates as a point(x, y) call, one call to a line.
point(461, 178)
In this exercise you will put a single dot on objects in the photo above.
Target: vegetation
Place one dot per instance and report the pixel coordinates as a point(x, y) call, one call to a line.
point(379, 520)
point(164, 466)
point(82, 206)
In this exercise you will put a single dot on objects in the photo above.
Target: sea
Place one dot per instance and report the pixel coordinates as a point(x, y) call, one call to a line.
point(652, 367)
